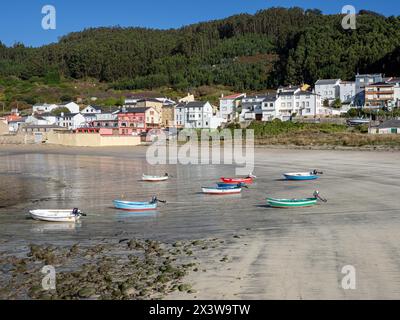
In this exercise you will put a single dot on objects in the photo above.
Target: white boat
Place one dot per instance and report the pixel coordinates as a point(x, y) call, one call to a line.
point(70, 215)
point(155, 178)
point(221, 191)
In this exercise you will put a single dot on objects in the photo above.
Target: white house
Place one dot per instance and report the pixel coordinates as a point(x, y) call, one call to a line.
point(328, 89)
point(332, 89)
point(43, 108)
point(91, 110)
point(71, 106)
point(228, 106)
point(261, 108)
point(196, 115)
point(347, 92)
point(71, 121)
point(37, 120)
point(299, 103)
point(47, 108)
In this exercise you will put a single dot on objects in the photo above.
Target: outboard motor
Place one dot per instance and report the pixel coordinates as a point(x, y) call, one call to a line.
point(76, 212)
point(317, 196)
point(154, 199)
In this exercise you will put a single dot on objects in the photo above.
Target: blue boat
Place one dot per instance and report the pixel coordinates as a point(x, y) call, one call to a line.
point(230, 186)
point(137, 206)
point(302, 176)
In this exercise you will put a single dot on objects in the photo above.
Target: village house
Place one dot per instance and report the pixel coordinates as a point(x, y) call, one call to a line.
point(261, 108)
point(196, 115)
point(387, 127)
point(43, 108)
point(379, 95)
point(137, 120)
point(71, 121)
point(168, 116)
point(328, 89)
point(333, 89)
point(47, 108)
point(228, 106)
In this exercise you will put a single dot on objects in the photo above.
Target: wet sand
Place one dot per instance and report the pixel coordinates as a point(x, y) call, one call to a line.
point(267, 253)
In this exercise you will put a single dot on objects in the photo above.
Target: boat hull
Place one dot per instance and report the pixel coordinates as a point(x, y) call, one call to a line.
point(134, 206)
point(291, 203)
point(221, 191)
point(54, 216)
point(237, 180)
point(154, 179)
point(300, 176)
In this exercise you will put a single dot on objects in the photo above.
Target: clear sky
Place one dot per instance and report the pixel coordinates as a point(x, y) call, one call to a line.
point(20, 20)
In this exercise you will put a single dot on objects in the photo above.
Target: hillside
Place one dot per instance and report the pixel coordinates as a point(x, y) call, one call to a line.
point(244, 52)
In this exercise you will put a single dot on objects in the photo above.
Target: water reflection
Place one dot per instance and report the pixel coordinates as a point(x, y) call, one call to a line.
point(43, 227)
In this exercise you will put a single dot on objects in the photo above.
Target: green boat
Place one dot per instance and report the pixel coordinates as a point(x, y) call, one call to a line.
point(295, 203)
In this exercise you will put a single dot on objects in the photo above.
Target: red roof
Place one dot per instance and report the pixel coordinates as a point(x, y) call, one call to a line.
point(13, 117)
point(233, 96)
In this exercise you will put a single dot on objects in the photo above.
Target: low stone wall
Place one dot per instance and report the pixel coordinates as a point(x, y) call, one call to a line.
point(90, 140)
point(17, 139)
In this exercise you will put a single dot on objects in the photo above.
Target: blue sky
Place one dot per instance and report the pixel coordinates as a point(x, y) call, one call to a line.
point(20, 20)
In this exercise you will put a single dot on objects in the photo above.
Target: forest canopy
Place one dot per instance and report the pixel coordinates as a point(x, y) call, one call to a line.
point(247, 52)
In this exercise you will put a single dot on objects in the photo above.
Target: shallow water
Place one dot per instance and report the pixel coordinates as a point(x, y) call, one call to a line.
point(359, 224)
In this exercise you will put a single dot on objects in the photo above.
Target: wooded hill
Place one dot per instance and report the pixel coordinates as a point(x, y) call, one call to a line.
point(246, 52)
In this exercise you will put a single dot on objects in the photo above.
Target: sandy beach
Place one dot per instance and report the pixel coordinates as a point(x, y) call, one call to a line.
point(263, 253)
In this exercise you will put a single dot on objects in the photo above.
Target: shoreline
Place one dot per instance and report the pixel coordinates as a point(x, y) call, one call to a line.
point(40, 147)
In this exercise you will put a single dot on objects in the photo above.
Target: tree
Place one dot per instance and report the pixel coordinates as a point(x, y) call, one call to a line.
point(59, 111)
point(337, 103)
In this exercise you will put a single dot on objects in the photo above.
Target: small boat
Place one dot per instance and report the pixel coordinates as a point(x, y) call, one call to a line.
point(155, 178)
point(70, 215)
point(303, 175)
point(247, 180)
point(137, 206)
point(295, 203)
point(224, 185)
point(225, 190)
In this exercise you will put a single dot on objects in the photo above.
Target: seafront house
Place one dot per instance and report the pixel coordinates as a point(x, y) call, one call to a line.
point(387, 127)
point(379, 95)
point(363, 80)
point(137, 120)
point(71, 121)
point(228, 106)
point(334, 89)
point(196, 115)
point(328, 89)
point(261, 108)
point(151, 103)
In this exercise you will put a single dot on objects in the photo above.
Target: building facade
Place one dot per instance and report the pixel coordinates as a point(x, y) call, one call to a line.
point(137, 120)
point(196, 115)
point(228, 106)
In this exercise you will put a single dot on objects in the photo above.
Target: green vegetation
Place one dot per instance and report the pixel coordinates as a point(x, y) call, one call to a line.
point(243, 52)
point(319, 135)
point(277, 127)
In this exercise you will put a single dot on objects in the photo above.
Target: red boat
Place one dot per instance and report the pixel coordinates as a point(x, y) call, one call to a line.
point(248, 180)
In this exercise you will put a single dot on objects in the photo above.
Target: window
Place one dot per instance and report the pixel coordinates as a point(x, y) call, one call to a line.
point(297, 104)
point(308, 104)
point(308, 110)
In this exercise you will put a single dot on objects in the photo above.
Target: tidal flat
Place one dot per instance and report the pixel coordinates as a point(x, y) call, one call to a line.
point(198, 246)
